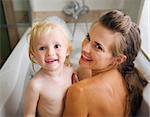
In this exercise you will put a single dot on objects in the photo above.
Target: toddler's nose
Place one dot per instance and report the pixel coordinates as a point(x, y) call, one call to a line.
point(50, 52)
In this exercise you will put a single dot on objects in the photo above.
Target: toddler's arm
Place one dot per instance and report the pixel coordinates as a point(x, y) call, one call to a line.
point(31, 98)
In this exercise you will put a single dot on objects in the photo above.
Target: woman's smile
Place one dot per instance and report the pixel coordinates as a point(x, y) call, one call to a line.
point(85, 57)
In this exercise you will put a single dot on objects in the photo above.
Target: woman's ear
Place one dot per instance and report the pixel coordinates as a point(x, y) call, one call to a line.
point(121, 58)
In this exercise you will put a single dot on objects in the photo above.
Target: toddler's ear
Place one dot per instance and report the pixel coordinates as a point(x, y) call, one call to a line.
point(33, 60)
point(68, 53)
point(69, 50)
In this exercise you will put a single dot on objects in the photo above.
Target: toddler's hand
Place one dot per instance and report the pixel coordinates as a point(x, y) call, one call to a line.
point(74, 78)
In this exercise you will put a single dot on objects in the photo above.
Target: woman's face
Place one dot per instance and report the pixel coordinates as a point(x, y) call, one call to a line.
point(96, 51)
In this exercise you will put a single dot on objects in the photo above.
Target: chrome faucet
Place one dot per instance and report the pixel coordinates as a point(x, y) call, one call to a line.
point(74, 9)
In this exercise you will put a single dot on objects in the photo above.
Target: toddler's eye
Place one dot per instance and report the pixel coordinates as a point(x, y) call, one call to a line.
point(57, 46)
point(88, 37)
point(42, 48)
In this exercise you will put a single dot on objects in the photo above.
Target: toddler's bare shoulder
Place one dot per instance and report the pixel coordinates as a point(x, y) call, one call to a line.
point(35, 83)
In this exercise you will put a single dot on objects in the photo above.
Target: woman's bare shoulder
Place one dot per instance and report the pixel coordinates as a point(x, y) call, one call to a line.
point(78, 89)
point(96, 92)
point(89, 89)
point(103, 84)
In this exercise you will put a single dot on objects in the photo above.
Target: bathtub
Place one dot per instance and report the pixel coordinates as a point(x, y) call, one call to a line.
point(17, 71)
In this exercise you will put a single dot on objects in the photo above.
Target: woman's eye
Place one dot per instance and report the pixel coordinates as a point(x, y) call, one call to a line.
point(88, 37)
point(99, 47)
point(57, 46)
point(42, 48)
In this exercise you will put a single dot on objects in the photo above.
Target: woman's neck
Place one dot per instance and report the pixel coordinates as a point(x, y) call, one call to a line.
point(102, 71)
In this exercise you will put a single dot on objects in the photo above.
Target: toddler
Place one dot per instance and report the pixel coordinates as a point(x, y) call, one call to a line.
point(49, 47)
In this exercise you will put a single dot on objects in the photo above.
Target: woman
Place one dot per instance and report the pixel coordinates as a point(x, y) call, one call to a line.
point(115, 87)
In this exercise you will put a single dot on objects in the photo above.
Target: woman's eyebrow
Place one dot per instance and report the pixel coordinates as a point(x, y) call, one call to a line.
point(88, 36)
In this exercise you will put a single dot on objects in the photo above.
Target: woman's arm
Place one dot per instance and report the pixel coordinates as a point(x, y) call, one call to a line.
point(31, 98)
point(75, 105)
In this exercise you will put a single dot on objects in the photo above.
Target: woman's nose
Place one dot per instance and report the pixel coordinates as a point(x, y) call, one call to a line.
point(86, 47)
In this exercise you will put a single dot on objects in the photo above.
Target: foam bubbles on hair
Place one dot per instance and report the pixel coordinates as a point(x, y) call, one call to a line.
point(45, 26)
point(57, 21)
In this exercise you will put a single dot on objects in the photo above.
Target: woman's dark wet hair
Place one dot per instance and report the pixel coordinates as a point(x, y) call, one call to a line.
point(129, 45)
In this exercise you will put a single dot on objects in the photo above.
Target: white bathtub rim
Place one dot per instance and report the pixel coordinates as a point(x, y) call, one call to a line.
point(8, 68)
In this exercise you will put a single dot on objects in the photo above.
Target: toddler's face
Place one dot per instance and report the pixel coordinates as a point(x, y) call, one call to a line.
point(51, 49)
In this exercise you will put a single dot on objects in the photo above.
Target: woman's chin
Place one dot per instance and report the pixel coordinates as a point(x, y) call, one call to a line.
point(84, 64)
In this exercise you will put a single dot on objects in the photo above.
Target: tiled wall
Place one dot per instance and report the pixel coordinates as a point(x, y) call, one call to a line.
point(57, 5)
point(42, 9)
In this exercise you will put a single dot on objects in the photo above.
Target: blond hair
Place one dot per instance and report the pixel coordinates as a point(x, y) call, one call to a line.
point(44, 27)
